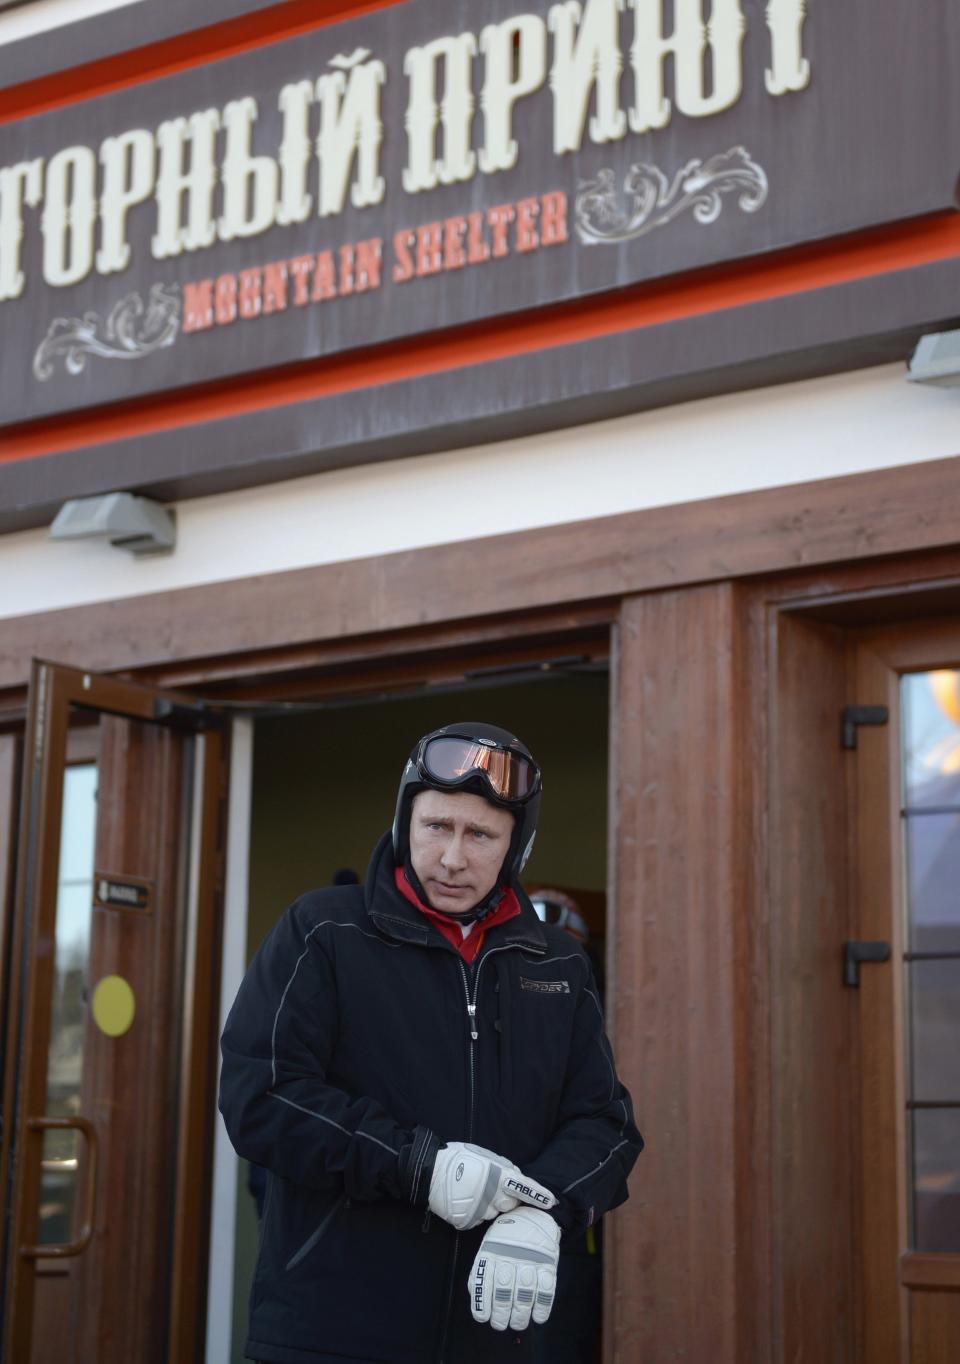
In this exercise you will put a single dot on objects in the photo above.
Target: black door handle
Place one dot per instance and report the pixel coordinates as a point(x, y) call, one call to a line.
point(855, 953)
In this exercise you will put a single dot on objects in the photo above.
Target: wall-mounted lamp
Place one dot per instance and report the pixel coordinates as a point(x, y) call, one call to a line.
point(936, 360)
point(133, 523)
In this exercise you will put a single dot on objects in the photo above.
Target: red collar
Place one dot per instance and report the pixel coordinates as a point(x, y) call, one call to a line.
point(469, 946)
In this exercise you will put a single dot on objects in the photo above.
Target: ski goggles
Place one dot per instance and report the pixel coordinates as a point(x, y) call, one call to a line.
point(452, 760)
point(550, 911)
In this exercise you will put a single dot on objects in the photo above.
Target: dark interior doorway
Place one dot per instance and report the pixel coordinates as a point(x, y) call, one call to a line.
point(324, 785)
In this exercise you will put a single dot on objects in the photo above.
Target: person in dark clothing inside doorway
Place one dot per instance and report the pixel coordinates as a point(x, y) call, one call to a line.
point(420, 1066)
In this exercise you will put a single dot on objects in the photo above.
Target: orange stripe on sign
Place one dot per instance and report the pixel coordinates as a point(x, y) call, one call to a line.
point(777, 275)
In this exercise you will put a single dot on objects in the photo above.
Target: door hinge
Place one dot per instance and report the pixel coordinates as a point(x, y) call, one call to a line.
point(852, 717)
point(180, 715)
point(857, 953)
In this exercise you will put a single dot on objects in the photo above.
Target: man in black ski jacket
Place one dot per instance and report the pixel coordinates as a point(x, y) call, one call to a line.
point(421, 1067)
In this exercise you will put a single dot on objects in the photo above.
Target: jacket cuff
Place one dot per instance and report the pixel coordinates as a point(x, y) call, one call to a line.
point(416, 1165)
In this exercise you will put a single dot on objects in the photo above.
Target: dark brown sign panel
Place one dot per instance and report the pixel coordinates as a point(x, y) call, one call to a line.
point(435, 163)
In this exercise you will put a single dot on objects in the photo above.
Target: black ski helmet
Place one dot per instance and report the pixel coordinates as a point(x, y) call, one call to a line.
point(523, 801)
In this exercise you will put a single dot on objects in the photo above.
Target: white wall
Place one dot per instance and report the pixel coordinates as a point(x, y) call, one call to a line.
point(817, 429)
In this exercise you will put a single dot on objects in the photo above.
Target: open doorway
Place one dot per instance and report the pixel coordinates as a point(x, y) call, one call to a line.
point(323, 792)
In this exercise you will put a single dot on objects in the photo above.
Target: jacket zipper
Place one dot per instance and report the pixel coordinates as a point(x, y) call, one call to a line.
point(474, 1034)
point(472, 1021)
point(471, 1003)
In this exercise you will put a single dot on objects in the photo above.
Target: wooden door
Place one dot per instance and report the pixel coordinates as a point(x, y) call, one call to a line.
point(907, 993)
point(110, 1025)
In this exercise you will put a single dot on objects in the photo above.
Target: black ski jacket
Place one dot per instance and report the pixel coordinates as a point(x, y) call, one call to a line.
point(359, 1042)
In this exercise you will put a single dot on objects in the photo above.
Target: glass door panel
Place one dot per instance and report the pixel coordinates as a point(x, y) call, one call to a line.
point(930, 818)
point(61, 1149)
point(932, 855)
point(934, 994)
point(930, 709)
point(936, 1180)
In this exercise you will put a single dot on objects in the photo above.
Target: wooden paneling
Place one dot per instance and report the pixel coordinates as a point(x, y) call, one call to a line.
point(9, 831)
point(935, 1328)
point(675, 986)
point(756, 1067)
point(862, 516)
point(930, 1271)
point(128, 1081)
point(9, 774)
point(54, 1328)
point(27, 1044)
point(403, 659)
point(916, 645)
point(879, 1011)
point(810, 1031)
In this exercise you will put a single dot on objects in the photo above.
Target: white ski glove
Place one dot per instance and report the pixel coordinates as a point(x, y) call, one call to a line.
point(469, 1185)
point(515, 1273)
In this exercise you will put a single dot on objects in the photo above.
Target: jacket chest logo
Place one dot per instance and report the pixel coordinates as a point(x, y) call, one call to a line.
point(545, 987)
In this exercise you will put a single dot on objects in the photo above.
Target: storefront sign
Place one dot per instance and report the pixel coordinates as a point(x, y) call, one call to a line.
point(436, 163)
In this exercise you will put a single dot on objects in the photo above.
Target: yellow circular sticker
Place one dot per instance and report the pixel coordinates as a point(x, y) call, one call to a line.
point(113, 1006)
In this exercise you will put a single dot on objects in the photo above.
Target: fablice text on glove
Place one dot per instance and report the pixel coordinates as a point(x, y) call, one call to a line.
point(420, 1066)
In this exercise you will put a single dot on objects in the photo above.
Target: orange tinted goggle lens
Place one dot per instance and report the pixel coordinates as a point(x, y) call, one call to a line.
point(451, 760)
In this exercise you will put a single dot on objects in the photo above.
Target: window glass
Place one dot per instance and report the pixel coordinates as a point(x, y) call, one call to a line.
point(930, 765)
point(931, 739)
point(936, 1162)
point(933, 878)
point(935, 1030)
point(69, 1007)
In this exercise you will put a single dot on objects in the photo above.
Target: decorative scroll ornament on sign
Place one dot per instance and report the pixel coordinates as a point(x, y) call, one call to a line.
point(132, 330)
point(650, 200)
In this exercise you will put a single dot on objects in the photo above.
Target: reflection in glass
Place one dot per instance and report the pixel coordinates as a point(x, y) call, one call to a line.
point(936, 1143)
point(933, 882)
point(935, 1029)
point(931, 738)
point(68, 1015)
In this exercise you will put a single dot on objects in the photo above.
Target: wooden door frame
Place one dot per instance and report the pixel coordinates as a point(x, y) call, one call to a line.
point(10, 782)
point(898, 620)
point(750, 1312)
point(492, 651)
point(809, 1084)
point(769, 1175)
